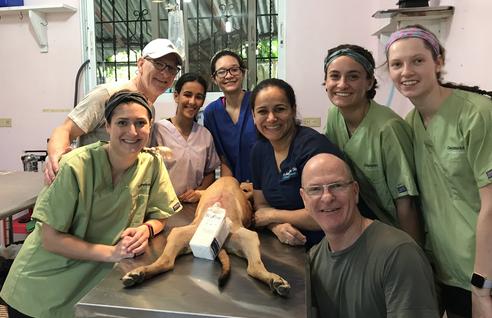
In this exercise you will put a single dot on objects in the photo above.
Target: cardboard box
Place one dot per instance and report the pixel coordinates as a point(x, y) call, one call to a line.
point(211, 233)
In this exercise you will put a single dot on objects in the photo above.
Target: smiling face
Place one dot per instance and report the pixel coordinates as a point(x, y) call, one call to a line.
point(189, 99)
point(273, 115)
point(229, 83)
point(153, 82)
point(346, 83)
point(413, 68)
point(334, 212)
point(129, 129)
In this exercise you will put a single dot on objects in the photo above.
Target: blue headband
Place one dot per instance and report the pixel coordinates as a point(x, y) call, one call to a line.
point(359, 58)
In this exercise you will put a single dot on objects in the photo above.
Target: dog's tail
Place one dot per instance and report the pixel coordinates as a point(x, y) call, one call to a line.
point(226, 267)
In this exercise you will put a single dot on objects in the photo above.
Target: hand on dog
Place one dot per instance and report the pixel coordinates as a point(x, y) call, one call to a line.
point(119, 251)
point(165, 152)
point(190, 196)
point(137, 239)
point(288, 234)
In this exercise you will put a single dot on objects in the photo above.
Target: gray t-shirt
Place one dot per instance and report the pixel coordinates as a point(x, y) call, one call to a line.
point(383, 274)
point(89, 114)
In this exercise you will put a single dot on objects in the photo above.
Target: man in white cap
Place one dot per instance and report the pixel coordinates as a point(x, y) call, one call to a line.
point(157, 68)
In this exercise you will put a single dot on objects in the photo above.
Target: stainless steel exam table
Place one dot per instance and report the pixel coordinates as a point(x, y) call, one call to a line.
point(18, 191)
point(191, 290)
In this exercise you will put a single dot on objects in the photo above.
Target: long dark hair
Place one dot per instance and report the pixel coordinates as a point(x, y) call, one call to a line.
point(191, 77)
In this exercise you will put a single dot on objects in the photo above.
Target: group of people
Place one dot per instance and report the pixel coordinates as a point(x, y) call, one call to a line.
point(435, 165)
point(395, 213)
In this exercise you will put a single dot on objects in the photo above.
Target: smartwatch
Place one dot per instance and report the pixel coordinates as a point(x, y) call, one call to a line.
point(479, 281)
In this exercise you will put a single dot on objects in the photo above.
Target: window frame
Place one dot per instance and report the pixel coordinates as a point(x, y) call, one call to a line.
point(88, 26)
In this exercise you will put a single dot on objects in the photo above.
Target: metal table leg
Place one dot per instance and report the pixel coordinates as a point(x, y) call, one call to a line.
point(11, 230)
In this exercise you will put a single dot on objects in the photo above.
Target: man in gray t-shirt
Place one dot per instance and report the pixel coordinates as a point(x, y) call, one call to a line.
point(362, 268)
point(157, 68)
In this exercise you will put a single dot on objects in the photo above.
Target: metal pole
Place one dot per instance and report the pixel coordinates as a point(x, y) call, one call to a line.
point(186, 65)
point(251, 52)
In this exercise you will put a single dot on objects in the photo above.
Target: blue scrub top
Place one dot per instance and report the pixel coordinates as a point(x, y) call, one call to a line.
point(281, 189)
point(232, 141)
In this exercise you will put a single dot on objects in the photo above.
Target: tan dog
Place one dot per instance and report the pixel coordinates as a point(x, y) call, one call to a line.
point(241, 241)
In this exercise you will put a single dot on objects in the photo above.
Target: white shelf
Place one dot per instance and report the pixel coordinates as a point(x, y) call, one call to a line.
point(442, 11)
point(428, 16)
point(56, 8)
point(37, 18)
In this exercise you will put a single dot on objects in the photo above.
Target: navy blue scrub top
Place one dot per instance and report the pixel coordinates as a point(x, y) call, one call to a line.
point(281, 189)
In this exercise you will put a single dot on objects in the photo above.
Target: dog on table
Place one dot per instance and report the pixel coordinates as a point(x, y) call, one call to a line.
point(241, 241)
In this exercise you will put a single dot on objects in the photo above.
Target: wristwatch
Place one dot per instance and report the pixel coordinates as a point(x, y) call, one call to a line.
point(479, 281)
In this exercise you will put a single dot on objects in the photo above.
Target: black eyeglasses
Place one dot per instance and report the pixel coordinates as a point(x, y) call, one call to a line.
point(161, 66)
point(333, 188)
point(234, 71)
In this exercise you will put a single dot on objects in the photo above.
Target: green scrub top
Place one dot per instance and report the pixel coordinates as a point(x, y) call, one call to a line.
point(83, 202)
point(453, 160)
point(380, 152)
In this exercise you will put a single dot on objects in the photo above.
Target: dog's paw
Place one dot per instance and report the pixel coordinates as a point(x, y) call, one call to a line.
point(280, 286)
point(133, 278)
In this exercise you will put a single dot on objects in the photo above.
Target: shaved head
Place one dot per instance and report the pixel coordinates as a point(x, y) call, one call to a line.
point(323, 163)
point(335, 208)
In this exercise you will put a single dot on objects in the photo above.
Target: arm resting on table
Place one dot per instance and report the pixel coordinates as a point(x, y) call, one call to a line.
point(72, 247)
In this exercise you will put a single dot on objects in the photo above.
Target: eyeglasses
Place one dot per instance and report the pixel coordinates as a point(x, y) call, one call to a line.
point(161, 66)
point(234, 71)
point(332, 188)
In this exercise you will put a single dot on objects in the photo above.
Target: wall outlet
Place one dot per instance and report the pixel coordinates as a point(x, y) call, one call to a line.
point(5, 122)
point(311, 121)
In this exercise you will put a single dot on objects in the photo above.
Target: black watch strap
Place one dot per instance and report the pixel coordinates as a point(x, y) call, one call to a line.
point(479, 281)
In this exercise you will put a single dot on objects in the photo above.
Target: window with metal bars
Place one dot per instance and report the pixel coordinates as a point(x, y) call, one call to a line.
point(249, 27)
point(122, 28)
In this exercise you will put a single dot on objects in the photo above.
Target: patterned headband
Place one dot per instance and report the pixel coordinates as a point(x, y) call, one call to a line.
point(427, 36)
point(359, 58)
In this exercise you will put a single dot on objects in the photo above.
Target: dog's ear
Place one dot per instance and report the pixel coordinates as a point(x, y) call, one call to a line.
point(247, 188)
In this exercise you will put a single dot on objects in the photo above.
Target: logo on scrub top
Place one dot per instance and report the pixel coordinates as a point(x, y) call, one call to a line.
point(456, 149)
point(401, 188)
point(489, 174)
point(177, 206)
point(371, 166)
point(289, 174)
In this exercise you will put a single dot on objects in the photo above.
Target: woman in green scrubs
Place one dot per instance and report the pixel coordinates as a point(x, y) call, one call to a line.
point(452, 129)
point(92, 215)
point(375, 139)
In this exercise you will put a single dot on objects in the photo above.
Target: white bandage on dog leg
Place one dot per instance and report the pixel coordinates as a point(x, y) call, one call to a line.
point(211, 233)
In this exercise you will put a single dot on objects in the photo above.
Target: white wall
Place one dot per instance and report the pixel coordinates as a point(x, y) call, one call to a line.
point(312, 27)
point(31, 81)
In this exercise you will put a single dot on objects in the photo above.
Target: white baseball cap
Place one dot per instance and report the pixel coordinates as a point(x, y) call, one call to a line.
point(160, 47)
